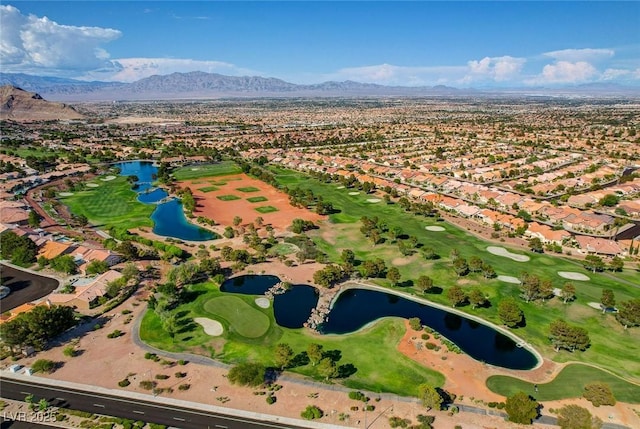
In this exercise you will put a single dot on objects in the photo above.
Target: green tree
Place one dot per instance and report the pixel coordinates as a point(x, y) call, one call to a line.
point(521, 408)
point(616, 264)
point(575, 417)
point(97, 267)
point(34, 219)
point(130, 271)
point(475, 264)
point(347, 256)
point(424, 283)
point(456, 295)
point(64, 264)
point(599, 393)
point(429, 397)
point(568, 292)
point(629, 313)
point(283, 355)
point(415, 323)
point(593, 263)
point(609, 200)
point(314, 353)
point(565, 336)
point(247, 374)
point(43, 365)
point(476, 298)
point(509, 312)
point(535, 244)
point(327, 368)
point(20, 250)
point(460, 266)
point(608, 299)
point(311, 412)
point(393, 275)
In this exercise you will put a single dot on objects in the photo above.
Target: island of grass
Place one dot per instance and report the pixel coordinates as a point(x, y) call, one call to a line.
point(248, 189)
point(206, 170)
point(266, 209)
point(257, 199)
point(608, 337)
point(251, 334)
point(114, 203)
point(206, 189)
point(228, 197)
point(569, 383)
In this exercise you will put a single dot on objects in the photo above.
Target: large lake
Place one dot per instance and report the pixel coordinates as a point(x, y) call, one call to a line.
point(168, 217)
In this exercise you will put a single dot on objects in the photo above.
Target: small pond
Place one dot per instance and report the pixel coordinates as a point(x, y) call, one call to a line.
point(291, 309)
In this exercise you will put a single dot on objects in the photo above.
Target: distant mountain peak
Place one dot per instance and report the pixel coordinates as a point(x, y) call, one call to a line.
point(20, 105)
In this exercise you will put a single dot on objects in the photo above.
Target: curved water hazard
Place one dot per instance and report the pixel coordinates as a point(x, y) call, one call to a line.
point(356, 307)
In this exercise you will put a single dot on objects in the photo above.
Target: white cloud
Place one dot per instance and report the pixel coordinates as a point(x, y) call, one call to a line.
point(580, 55)
point(497, 69)
point(388, 74)
point(566, 72)
point(132, 69)
point(39, 45)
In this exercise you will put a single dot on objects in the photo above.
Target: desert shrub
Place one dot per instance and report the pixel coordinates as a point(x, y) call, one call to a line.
point(161, 376)
point(311, 412)
point(430, 345)
point(599, 394)
point(148, 384)
point(43, 365)
point(124, 383)
point(184, 387)
point(115, 334)
point(180, 374)
point(271, 399)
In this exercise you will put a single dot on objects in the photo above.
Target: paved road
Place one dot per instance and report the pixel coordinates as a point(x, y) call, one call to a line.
point(25, 286)
point(131, 408)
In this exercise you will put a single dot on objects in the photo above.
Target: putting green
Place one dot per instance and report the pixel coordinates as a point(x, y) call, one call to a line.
point(243, 319)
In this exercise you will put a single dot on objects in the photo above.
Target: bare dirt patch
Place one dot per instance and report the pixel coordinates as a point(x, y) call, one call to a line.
point(223, 212)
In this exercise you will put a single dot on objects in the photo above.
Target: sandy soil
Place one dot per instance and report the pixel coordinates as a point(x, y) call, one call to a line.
point(211, 327)
point(263, 302)
point(223, 212)
point(434, 228)
point(501, 251)
point(574, 276)
point(509, 279)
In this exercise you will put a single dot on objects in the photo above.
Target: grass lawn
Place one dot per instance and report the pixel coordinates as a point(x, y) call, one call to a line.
point(284, 249)
point(228, 197)
point(113, 203)
point(266, 209)
point(612, 346)
point(208, 189)
point(569, 383)
point(257, 199)
point(386, 370)
point(195, 172)
point(248, 189)
point(240, 316)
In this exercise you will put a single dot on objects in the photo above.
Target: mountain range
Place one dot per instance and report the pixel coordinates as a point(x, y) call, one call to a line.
point(201, 85)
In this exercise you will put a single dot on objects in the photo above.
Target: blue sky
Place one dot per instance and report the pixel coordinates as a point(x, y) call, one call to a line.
point(462, 44)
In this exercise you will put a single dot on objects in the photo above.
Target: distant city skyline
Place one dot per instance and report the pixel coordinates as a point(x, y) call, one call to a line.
point(461, 44)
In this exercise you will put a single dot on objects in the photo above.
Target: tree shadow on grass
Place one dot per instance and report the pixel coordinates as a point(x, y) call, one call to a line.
point(301, 359)
point(346, 370)
point(334, 355)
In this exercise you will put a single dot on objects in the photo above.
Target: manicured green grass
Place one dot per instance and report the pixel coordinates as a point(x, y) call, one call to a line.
point(228, 197)
point(113, 203)
point(248, 189)
point(284, 249)
point(241, 317)
point(257, 199)
point(266, 209)
point(195, 172)
point(612, 346)
point(569, 383)
point(400, 376)
point(208, 189)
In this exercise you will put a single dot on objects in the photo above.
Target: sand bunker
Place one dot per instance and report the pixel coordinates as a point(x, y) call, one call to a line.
point(106, 179)
point(354, 193)
point(340, 187)
point(501, 251)
point(195, 169)
point(595, 305)
point(92, 185)
point(65, 194)
point(509, 279)
point(434, 228)
point(573, 276)
point(262, 302)
point(374, 200)
point(211, 327)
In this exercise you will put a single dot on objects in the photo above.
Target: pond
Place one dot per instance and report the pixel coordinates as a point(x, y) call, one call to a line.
point(355, 308)
point(291, 309)
point(168, 217)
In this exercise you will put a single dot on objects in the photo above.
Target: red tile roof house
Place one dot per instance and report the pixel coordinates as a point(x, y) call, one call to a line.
point(86, 295)
point(546, 234)
point(599, 246)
